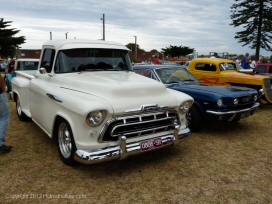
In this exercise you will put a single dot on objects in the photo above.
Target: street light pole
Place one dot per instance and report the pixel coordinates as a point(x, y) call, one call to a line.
point(103, 21)
point(136, 48)
point(66, 34)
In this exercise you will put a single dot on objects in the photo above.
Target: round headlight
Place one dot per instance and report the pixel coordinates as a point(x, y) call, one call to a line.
point(95, 118)
point(235, 101)
point(220, 102)
point(185, 106)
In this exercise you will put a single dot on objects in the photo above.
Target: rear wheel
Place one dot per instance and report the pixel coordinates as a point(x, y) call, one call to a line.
point(65, 142)
point(194, 119)
point(21, 115)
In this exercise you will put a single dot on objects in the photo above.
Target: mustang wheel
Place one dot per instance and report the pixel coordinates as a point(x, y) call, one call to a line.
point(21, 115)
point(65, 141)
point(194, 119)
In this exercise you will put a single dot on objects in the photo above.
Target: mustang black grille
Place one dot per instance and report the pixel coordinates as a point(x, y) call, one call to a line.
point(246, 99)
point(139, 125)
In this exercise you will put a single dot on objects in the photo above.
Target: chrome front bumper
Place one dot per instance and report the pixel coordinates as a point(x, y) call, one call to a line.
point(124, 149)
point(251, 109)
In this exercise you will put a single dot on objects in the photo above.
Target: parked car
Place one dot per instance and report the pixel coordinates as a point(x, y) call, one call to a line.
point(224, 72)
point(264, 69)
point(243, 70)
point(186, 64)
point(20, 64)
point(222, 103)
point(3, 67)
point(166, 62)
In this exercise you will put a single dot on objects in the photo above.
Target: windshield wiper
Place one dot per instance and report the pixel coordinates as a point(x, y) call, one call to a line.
point(174, 82)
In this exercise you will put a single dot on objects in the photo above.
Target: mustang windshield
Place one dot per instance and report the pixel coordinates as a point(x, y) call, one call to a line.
point(92, 59)
point(174, 75)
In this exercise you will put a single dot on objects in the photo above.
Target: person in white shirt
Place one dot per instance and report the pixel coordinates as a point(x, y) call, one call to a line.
point(238, 61)
point(253, 64)
point(214, 55)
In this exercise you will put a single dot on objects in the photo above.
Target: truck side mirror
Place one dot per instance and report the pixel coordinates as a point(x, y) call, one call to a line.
point(42, 70)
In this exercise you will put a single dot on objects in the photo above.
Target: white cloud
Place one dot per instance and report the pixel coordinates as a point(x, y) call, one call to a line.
point(203, 25)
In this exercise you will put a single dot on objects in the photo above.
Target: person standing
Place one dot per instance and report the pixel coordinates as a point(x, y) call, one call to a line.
point(253, 63)
point(245, 61)
point(156, 60)
point(4, 116)
point(238, 61)
point(215, 55)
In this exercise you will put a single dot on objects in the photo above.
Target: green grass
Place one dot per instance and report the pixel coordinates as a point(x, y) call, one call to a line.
point(224, 163)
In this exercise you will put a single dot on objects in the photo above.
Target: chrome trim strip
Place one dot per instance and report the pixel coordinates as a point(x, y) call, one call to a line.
point(255, 106)
point(123, 149)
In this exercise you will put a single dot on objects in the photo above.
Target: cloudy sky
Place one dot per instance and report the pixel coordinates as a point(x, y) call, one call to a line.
point(202, 24)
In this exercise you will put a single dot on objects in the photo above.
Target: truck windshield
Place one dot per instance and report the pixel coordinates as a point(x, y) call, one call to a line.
point(92, 59)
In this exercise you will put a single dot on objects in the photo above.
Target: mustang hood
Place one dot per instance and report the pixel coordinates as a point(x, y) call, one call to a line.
point(221, 91)
point(123, 90)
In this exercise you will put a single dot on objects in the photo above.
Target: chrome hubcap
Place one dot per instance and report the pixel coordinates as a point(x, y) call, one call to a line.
point(18, 106)
point(65, 140)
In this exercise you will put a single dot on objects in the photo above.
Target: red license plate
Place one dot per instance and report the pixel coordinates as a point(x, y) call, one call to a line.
point(151, 144)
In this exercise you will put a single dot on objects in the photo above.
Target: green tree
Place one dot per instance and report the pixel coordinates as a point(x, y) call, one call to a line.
point(177, 51)
point(154, 50)
point(8, 43)
point(256, 17)
point(131, 46)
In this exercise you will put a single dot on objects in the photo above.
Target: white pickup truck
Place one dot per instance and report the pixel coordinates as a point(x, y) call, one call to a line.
point(86, 95)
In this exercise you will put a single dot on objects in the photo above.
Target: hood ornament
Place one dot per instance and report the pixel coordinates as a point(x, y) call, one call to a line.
point(147, 107)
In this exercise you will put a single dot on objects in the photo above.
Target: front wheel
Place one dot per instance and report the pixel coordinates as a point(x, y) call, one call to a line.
point(65, 142)
point(21, 115)
point(8, 89)
point(194, 119)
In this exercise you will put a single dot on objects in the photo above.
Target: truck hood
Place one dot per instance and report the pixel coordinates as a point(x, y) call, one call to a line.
point(123, 90)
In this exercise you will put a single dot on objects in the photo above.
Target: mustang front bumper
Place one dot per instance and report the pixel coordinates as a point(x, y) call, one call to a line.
point(248, 111)
point(124, 149)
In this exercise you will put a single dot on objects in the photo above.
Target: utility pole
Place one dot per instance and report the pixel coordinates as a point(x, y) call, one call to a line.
point(103, 26)
point(136, 48)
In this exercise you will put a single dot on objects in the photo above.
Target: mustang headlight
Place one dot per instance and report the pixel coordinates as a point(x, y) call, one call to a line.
point(95, 118)
point(235, 101)
point(185, 106)
point(220, 102)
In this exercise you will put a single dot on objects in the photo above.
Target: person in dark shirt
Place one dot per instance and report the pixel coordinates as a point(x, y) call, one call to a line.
point(11, 66)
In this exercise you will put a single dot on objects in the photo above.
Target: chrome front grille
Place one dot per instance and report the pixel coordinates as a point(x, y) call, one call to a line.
point(138, 125)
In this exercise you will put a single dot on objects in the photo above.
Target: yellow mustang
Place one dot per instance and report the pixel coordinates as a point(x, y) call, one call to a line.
point(224, 72)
